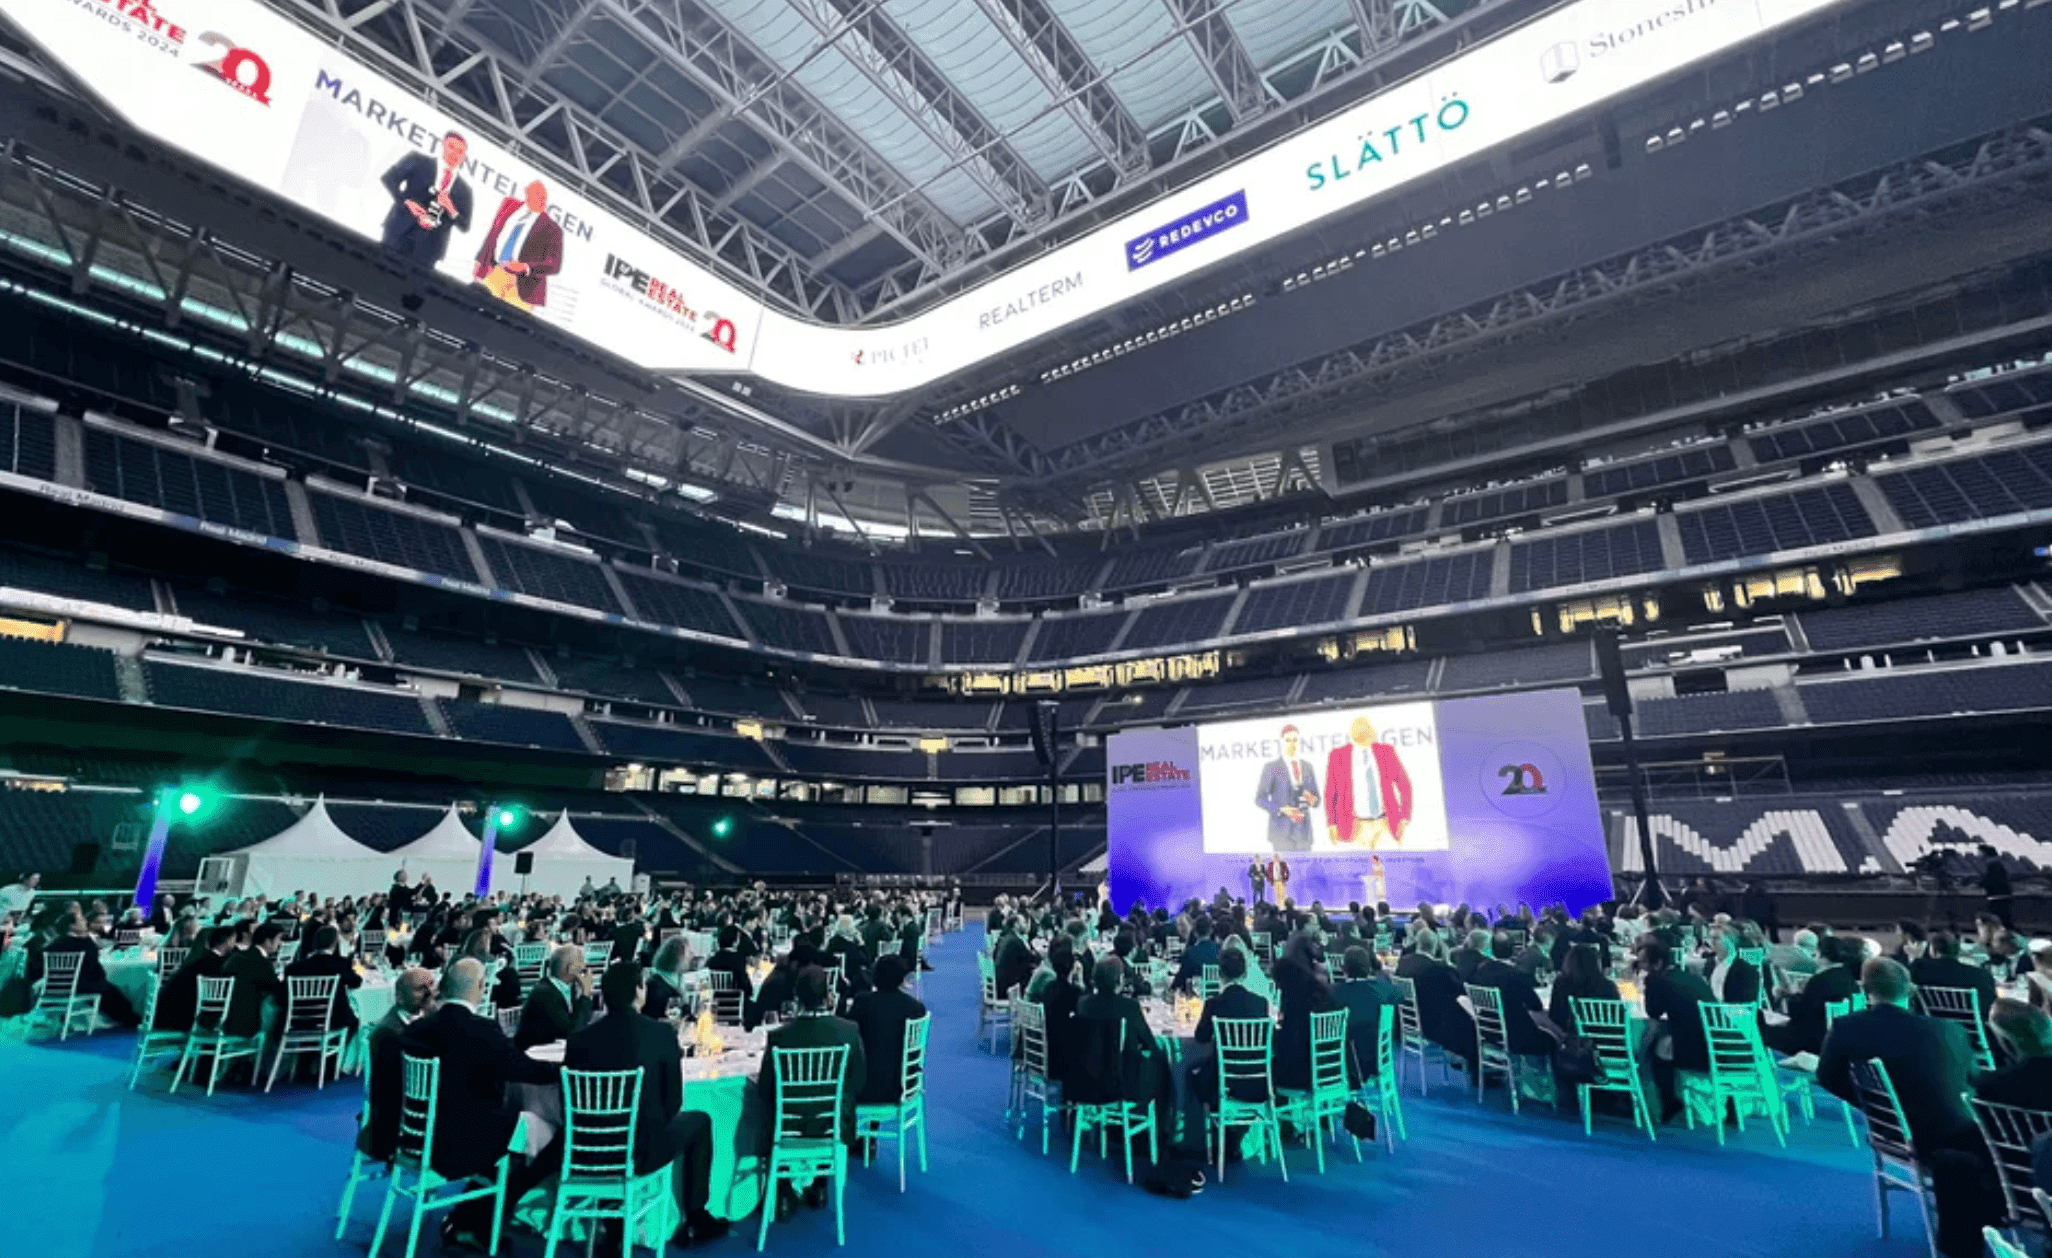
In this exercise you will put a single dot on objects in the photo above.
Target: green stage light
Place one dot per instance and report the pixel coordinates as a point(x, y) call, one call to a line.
point(508, 818)
point(189, 802)
point(722, 827)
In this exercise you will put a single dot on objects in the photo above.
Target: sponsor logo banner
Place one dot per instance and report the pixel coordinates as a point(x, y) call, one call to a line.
point(1193, 228)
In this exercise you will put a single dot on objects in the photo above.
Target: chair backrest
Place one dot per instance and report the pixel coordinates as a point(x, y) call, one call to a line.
point(1516, 936)
point(725, 986)
point(1836, 1009)
point(288, 952)
point(60, 976)
point(1888, 1133)
point(1243, 1046)
point(1733, 1034)
point(417, 1105)
point(1607, 1026)
point(2009, 1131)
point(1329, 1050)
point(509, 1019)
point(1409, 1023)
point(1385, 1043)
point(528, 957)
point(1488, 1016)
point(170, 961)
point(599, 1112)
point(1209, 982)
point(1264, 946)
point(1029, 1029)
point(912, 1068)
point(986, 975)
point(597, 955)
point(809, 1083)
point(127, 938)
point(214, 997)
point(1755, 957)
point(310, 1002)
point(370, 942)
point(1961, 1005)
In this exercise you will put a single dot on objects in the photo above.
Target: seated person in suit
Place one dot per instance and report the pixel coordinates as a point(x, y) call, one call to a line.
point(665, 979)
point(319, 960)
point(474, 1120)
point(1013, 959)
point(1672, 997)
point(179, 1000)
point(1520, 998)
point(255, 971)
point(1442, 1019)
point(1733, 980)
point(1200, 1065)
point(1941, 967)
point(779, 988)
point(560, 1004)
point(1929, 1063)
point(664, 1134)
point(880, 1015)
point(1139, 1071)
point(1059, 997)
point(1302, 989)
point(1807, 1016)
point(728, 960)
point(1581, 974)
point(413, 997)
point(2024, 1034)
point(505, 989)
point(77, 937)
point(1202, 951)
point(814, 1027)
point(1467, 958)
point(1364, 994)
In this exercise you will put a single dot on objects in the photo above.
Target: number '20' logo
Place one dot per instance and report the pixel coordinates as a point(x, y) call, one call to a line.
point(1522, 779)
point(238, 67)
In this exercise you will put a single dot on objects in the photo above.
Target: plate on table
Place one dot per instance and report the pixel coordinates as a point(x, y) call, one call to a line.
point(552, 1051)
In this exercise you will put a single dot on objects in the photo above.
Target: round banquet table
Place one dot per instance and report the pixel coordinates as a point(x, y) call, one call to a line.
point(720, 1087)
point(132, 972)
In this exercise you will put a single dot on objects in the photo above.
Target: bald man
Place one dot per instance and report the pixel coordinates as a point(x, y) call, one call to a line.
point(560, 1005)
point(521, 251)
point(413, 997)
point(1367, 793)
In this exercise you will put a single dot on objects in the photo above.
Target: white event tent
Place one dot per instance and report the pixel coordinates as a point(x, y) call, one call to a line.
point(562, 861)
point(312, 854)
point(449, 852)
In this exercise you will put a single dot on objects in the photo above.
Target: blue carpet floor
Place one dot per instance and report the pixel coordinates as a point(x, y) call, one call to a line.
point(91, 1170)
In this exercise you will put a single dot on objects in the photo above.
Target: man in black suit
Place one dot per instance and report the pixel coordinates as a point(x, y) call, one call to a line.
point(320, 960)
point(664, 1134)
point(1930, 1064)
point(627, 936)
point(255, 971)
point(1364, 995)
point(1996, 886)
point(814, 1027)
point(399, 900)
point(475, 1120)
point(2024, 1033)
point(880, 1015)
point(92, 976)
point(1014, 960)
point(1202, 951)
point(413, 997)
point(1520, 997)
point(1199, 1072)
point(855, 960)
point(430, 199)
point(728, 960)
point(1807, 1015)
point(1941, 967)
point(874, 931)
point(1733, 980)
point(179, 1000)
point(560, 1004)
point(1470, 955)
point(1672, 999)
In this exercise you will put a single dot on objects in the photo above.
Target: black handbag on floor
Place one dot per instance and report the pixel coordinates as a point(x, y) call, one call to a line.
point(1574, 1061)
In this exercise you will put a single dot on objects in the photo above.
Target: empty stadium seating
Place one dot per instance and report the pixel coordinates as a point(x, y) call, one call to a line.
point(69, 579)
point(501, 660)
point(612, 678)
point(1665, 469)
point(359, 527)
point(1893, 695)
point(2000, 483)
point(2003, 394)
point(1252, 692)
point(991, 765)
point(273, 696)
point(189, 484)
point(789, 627)
point(936, 581)
point(1436, 582)
point(877, 638)
point(1514, 500)
point(931, 715)
point(837, 711)
point(28, 442)
point(1531, 666)
point(841, 760)
point(710, 693)
point(1373, 530)
point(1364, 681)
point(1041, 577)
point(1841, 432)
point(982, 641)
point(667, 602)
point(549, 574)
point(1815, 516)
point(692, 748)
point(1256, 552)
point(1761, 837)
point(1074, 637)
point(1976, 613)
point(1704, 713)
point(519, 727)
point(1587, 555)
point(1174, 623)
point(58, 668)
point(335, 632)
point(1136, 567)
point(1295, 604)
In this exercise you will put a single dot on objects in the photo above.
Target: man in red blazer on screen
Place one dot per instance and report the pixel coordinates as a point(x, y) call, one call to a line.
point(521, 251)
point(1367, 792)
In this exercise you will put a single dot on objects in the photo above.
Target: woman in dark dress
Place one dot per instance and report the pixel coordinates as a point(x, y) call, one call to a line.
point(1302, 987)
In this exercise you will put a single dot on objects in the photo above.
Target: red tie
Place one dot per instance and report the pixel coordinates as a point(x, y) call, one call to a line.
point(1293, 773)
point(448, 173)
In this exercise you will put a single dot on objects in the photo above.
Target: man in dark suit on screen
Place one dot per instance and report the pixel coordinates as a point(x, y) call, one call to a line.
point(430, 199)
point(521, 251)
point(1287, 792)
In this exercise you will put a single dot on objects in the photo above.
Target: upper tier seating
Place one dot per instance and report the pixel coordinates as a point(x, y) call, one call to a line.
point(1436, 582)
point(519, 727)
point(822, 574)
point(28, 442)
point(690, 747)
point(360, 527)
point(1976, 613)
point(935, 581)
point(1815, 516)
point(500, 660)
point(1760, 837)
point(1664, 652)
point(1175, 624)
point(982, 641)
point(1397, 678)
point(1372, 530)
point(789, 627)
point(641, 683)
point(879, 638)
point(995, 765)
point(2003, 394)
point(1038, 577)
point(713, 693)
point(1136, 566)
point(548, 574)
point(1703, 713)
point(58, 668)
point(334, 632)
point(1257, 552)
point(203, 488)
point(665, 602)
point(842, 760)
point(1840, 432)
point(1598, 554)
point(276, 697)
point(25, 571)
point(1891, 696)
point(1984, 487)
point(1666, 469)
point(1318, 601)
point(1249, 692)
point(1074, 637)
point(837, 711)
point(1513, 500)
point(932, 714)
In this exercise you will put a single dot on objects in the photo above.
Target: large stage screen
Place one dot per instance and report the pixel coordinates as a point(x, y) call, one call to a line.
point(1483, 801)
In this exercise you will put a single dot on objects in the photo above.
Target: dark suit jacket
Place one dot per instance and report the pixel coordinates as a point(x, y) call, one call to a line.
point(728, 961)
point(1234, 1001)
point(660, 993)
point(1520, 1001)
point(1199, 954)
point(1275, 793)
point(475, 1120)
point(1675, 995)
point(1953, 972)
point(1560, 1002)
point(92, 976)
point(547, 1017)
point(1015, 962)
point(814, 1031)
point(1466, 961)
point(1364, 1000)
point(881, 1018)
point(1741, 983)
point(413, 178)
point(1060, 999)
point(1300, 993)
point(179, 1000)
point(256, 980)
point(387, 1086)
point(1440, 1015)
point(541, 250)
point(1927, 1059)
point(1113, 1055)
point(625, 1040)
point(1804, 1032)
point(322, 964)
point(2026, 1083)
point(627, 937)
